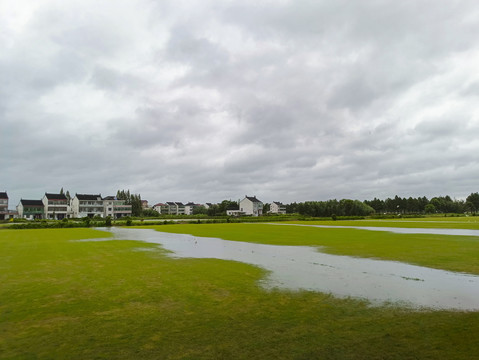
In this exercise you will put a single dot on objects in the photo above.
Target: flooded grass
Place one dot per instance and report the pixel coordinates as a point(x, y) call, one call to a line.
point(63, 299)
point(453, 253)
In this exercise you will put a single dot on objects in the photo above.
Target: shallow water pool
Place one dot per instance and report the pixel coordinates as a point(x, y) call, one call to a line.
point(307, 268)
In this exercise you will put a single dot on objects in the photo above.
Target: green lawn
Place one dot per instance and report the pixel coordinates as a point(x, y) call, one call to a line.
point(62, 299)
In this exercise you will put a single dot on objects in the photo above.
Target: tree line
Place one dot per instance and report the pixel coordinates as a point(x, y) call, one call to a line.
point(396, 205)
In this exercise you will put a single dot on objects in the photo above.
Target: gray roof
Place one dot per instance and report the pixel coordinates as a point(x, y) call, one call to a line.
point(55, 196)
point(87, 196)
point(31, 202)
point(253, 199)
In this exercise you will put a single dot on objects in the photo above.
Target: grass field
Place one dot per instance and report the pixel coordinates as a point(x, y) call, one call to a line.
point(63, 299)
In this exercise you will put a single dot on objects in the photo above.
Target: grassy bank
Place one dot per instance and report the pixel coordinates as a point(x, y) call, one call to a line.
point(63, 299)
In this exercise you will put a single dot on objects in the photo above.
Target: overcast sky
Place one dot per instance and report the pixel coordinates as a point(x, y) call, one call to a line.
point(210, 100)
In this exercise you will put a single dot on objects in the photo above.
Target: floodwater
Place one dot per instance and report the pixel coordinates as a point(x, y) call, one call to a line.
point(455, 232)
point(306, 268)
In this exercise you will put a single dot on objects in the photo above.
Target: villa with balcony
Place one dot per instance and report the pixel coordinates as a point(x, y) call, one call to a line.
point(86, 205)
point(56, 206)
point(116, 208)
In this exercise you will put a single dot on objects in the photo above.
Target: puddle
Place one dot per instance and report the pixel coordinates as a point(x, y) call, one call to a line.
point(455, 232)
point(305, 268)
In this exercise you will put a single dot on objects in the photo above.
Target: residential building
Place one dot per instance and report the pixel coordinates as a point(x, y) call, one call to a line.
point(31, 209)
point(277, 208)
point(161, 208)
point(170, 208)
point(144, 204)
point(250, 205)
point(55, 206)
point(190, 207)
point(116, 208)
point(83, 205)
point(3, 205)
point(173, 208)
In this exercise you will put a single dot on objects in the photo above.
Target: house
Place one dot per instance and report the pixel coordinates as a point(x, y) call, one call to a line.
point(144, 204)
point(173, 208)
point(3, 205)
point(170, 208)
point(31, 209)
point(277, 208)
point(180, 208)
point(116, 208)
point(190, 207)
point(250, 205)
point(83, 205)
point(161, 208)
point(55, 206)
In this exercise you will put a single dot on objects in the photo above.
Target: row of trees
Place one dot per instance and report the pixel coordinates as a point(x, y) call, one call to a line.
point(328, 208)
point(396, 205)
point(442, 204)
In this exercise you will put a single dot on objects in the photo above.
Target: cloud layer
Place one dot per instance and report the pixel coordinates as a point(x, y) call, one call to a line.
point(206, 100)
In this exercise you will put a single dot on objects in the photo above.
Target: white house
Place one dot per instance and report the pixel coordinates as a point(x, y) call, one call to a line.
point(87, 205)
point(55, 206)
point(250, 205)
point(277, 208)
point(116, 208)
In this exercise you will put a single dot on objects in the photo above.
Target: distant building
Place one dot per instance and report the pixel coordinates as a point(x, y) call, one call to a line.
point(83, 205)
point(116, 208)
point(250, 205)
point(190, 207)
point(161, 208)
point(277, 208)
point(3, 205)
point(31, 209)
point(55, 206)
point(172, 208)
point(180, 208)
point(144, 204)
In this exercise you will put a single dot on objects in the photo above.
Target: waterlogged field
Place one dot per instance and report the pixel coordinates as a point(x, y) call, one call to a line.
point(128, 300)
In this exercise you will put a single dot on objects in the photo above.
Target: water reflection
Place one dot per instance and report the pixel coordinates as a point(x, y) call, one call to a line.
point(303, 267)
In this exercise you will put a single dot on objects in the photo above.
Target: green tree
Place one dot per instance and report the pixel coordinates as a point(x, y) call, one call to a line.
point(473, 198)
point(430, 209)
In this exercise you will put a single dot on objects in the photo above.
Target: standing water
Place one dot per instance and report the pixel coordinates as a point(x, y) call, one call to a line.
point(306, 268)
